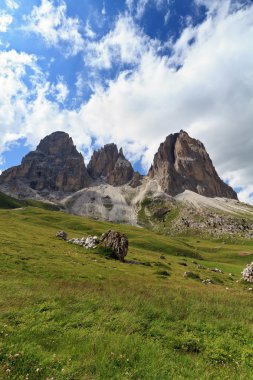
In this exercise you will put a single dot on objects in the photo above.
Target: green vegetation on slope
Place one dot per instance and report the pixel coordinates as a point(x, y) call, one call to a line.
point(73, 314)
point(7, 202)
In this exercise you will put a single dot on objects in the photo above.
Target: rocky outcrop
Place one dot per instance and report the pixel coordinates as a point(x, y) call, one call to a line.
point(55, 165)
point(62, 235)
point(89, 242)
point(117, 242)
point(247, 273)
point(111, 165)
point(182, 163)
point(136, 180)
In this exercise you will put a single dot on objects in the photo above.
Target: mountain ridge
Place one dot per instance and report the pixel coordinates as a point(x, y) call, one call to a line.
point(109, 189)
point(181, 163)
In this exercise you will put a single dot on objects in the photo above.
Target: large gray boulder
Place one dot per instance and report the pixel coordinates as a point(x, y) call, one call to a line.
point(117, 242)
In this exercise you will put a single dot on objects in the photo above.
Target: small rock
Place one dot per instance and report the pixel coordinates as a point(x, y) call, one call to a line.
point(216, 270)
point(201, 266)
point(184, 264)
point(207, 281)
point(62, 235)
point(89, 242)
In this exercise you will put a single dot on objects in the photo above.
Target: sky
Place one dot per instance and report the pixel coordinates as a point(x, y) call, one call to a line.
point(130, 72)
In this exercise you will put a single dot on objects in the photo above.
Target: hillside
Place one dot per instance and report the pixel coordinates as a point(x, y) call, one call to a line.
point(71, 313)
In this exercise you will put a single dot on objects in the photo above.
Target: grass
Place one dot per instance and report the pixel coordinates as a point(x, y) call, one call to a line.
point(73, 314)
point(7, 202)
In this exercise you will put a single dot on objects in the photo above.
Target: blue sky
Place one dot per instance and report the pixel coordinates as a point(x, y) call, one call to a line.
point(131, 72)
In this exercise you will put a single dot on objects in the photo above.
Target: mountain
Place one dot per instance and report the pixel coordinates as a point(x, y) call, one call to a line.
point(55, 165)
point(111, 165)
point(182, 192)
point(182, 163)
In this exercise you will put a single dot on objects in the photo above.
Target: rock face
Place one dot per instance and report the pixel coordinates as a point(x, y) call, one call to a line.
point(111, 165)
point(182, 163)
point(55, 165)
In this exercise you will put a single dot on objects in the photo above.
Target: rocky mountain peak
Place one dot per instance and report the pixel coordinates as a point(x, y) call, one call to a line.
point(55, 165)
point(58, 144)
point(111, 165)
point(182, 163)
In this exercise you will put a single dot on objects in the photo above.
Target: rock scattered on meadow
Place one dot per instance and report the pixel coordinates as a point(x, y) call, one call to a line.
point(217, 270)
point(62, 235)
point(247, 273)
point(89, 242)
point(117, 242)
point(208, 281)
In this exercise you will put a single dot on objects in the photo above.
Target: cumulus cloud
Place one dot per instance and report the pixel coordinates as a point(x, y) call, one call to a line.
point(14, 98)
point(52, 24)
point(124, 44)
point(210, 95)
point(139, 7)
point(60, 90)
point(204, 87)
point(5, 21)
point(12, 4)
point(89, 33)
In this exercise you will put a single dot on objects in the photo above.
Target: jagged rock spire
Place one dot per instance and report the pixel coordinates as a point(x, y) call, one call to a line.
point(182, 163)
point(111, 165)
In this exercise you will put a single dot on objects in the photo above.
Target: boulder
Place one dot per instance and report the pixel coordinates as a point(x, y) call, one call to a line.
point(117, 242)
point(247, 273)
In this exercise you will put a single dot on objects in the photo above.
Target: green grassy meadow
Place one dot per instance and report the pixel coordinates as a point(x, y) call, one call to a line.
point(67, 313)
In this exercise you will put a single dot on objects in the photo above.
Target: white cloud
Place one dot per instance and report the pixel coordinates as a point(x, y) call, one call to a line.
point(53, 25)
point(211, 95)
point(103, 9)
point(12, 4)
point(14, 99)
point(125, 44)
point(89, 33)
point(5, 21)
point(60, 90)
point(139, 7)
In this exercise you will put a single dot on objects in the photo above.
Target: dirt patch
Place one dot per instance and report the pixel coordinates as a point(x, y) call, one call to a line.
point(245, 253)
